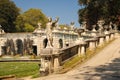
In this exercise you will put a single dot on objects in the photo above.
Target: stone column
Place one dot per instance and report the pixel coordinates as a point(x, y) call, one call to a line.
point(44, 67)
point(107, 37)
point(79, 50)
point(112, 36)
point(116, 34)
point(101, 40)
point(97, 41)
point(82, 50)
point(38, 49)
point(46, 60)
point(56, 63)
point(92, 44)
point(56, 59)
point(64, 44)
point(2, 41)
point(42, 62)
point(0, 51)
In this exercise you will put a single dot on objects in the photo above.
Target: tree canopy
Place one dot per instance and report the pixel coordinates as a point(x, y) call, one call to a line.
point(8, 14)
point(94, 10)
point(27, 21)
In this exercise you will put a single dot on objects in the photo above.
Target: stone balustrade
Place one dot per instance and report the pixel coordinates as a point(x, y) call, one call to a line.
point(101, 40)
point(56, 57)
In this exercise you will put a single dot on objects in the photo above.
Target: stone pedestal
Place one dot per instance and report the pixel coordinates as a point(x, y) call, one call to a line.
point(81, 49)
point(101, 40)
point(0, 51)
point(92, 43)
point(56, 58)
point(44, 67)
point(46, 60)
point(52, 58)
point(112, 36)
point(107, 37)
point(116, 34)
point(56, 63)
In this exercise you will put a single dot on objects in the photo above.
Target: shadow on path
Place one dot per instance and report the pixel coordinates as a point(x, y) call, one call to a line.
point(109, 71)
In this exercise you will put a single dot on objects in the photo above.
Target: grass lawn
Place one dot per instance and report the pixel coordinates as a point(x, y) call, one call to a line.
point(19, 69)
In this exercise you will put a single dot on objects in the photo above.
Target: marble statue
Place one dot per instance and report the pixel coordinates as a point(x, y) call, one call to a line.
point(39, 25)
point(84, 25)
point(115, 27)
point(49, 27)
point(37, 30)
point(1, 30)
point(110, 25)
point(72, 25)
point(100, 24)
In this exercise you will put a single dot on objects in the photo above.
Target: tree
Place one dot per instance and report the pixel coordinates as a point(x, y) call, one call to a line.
point(28, 21)
point(8, 14)
point(94, 10)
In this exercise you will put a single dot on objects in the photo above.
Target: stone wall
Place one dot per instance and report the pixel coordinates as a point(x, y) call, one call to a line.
point(39, 41)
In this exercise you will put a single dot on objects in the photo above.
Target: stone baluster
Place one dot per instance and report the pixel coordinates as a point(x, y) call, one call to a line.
point(101, 40)
point(82, 49)
point(91, 43)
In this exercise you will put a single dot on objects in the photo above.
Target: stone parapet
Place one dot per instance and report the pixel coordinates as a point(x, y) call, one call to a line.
point(107, 37)
point(82, 49)
point(101, 40)
point(91, 43)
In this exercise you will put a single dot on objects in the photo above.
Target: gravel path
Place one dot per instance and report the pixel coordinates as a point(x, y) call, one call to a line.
point(103, 66)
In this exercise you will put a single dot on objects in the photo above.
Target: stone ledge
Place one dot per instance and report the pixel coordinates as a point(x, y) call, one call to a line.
point(9, 77)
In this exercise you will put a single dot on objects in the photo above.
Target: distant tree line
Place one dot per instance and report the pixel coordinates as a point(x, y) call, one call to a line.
point(13, 19)
point(8, 15)
point(94, 10)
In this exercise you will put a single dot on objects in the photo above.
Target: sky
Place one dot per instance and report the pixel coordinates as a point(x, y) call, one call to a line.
point(66, 10)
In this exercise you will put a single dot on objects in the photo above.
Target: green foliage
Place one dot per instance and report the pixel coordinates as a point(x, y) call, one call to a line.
point(28, 27)
point(8, 14)
point(20, 69)
point(94, 10)
point(27, 21)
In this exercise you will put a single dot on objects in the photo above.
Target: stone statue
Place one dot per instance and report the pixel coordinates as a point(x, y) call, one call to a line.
point(1, 30)
point(94, 26)
point(49, 27)
point(100, 24)
point(38, 28)
point(115, 27)
point(110, 25)
point(72, 25)
point(39, 25)
point(84, 25)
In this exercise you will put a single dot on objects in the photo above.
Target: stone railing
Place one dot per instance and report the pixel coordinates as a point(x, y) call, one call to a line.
point(52, 59)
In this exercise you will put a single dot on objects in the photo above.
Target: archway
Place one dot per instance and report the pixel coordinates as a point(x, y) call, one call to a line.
point(45, 41)
point(34, 49)
point(19, 44)
point(4, 50)
point(60, 43)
